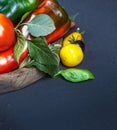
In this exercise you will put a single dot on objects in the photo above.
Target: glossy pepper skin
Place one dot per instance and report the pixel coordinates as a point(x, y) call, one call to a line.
point(59, 16)
point(14, 9)
point(7, 61)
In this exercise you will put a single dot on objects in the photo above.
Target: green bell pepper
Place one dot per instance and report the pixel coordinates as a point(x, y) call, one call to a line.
point(14, 9)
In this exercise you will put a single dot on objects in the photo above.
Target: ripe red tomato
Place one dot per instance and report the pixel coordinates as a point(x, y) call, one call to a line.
point(7, 33)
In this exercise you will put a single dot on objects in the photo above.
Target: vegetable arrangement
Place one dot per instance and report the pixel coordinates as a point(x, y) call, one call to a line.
point(29, 42)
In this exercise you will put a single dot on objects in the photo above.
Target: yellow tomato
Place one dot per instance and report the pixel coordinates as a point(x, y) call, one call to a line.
point(71, 55)
point(75, 36)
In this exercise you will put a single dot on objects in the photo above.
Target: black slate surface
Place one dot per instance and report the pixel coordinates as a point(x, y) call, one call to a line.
point(55, 104)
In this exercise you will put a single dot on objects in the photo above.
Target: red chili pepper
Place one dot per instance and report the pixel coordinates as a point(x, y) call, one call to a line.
point(7, 43)
point(7, 61)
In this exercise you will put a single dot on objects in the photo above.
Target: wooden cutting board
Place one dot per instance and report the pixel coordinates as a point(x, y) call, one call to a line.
point(18, 79)
point(21, 78)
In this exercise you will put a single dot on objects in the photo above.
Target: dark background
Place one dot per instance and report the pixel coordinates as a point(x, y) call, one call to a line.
point(55, 104)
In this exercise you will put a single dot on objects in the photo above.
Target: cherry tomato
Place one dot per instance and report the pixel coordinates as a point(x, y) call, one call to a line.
point(71, 55)
point(7, 33)
point(71, 38)
point(74, 38)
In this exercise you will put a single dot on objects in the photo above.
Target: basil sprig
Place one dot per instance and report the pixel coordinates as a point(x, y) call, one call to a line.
point(43, 58)
point(75, 74)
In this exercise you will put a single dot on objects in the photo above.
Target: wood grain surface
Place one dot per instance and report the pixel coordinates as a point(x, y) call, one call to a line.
point(18, 79)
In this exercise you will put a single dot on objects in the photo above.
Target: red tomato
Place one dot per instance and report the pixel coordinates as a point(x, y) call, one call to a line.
point(7, 33)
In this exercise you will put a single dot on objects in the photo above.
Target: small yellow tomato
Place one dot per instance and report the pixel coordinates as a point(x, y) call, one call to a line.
point(71, 55)
point(71, 38)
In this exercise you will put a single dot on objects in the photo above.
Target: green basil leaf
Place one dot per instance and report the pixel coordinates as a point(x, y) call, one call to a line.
point(43, 58)
point(20, 45)
point(41, 25)
point(76, 75)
